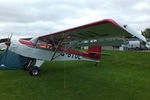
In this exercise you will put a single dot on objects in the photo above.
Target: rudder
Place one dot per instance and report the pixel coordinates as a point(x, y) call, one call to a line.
point(95, 52)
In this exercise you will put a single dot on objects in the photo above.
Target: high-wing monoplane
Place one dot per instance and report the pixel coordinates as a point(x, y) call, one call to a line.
point(59, 46)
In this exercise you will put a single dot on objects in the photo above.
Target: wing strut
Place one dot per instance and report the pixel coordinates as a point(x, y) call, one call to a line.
point(57, 47)
point(66, 50)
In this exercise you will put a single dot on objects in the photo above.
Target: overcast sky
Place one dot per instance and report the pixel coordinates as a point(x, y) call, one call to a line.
point(37, 17)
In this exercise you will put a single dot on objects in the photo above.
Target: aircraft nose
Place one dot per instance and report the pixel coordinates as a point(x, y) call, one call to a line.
point(7, 43)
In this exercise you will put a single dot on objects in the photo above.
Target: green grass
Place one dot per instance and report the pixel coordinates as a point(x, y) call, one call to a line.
point(122, 76)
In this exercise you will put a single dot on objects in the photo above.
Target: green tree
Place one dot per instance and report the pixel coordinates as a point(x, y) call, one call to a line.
point(3, 40)
point(146, 33)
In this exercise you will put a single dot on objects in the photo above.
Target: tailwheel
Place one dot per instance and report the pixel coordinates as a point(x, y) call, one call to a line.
point(96, 64)
point(34, 71)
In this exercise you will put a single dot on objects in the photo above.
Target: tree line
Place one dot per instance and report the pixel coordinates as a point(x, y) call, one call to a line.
point(146, 33)
point(3, 40)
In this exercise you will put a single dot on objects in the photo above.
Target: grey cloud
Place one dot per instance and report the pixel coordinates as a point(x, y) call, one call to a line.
point(36, 11)
point(42, 16)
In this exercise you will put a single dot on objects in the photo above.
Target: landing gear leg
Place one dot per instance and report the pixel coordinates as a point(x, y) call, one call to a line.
point(27, 66)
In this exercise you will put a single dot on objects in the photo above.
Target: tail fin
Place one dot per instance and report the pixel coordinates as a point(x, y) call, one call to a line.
point(95, 52)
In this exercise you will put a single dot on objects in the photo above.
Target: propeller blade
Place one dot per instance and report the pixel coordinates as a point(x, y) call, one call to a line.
point(10, 37)
point(5, 57)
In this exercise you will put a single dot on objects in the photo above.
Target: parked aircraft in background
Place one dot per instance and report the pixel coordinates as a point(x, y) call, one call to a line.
point(58, 46)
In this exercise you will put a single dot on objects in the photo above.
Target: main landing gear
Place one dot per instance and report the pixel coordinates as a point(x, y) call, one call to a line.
point(34, 71)
point(33, 67)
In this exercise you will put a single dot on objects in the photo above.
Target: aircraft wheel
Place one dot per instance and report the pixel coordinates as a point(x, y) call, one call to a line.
point(34, 71)
point(25, 67)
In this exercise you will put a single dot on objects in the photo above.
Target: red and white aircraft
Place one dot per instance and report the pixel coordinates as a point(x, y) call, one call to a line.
point(58, 46)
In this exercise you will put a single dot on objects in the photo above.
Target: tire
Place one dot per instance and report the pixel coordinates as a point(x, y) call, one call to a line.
point(34, 71)
point(25, 67)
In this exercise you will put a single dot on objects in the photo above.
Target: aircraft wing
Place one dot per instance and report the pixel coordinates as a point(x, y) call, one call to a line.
point(106, 32)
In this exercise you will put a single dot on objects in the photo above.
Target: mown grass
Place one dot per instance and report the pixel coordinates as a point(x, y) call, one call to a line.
point(122, 76)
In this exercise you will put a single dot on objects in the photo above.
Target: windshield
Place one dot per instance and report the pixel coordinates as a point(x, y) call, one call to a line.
point(34, 40)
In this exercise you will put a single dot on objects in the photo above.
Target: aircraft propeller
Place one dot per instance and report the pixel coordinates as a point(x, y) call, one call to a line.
point(8, 42)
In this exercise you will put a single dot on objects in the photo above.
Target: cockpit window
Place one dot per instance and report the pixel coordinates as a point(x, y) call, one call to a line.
point(34, 40)
point(44, 44)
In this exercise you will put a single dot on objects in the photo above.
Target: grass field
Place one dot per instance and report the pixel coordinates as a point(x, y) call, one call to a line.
point(122, 76)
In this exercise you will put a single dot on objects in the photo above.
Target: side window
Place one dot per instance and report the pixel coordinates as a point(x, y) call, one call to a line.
point(43, 45)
